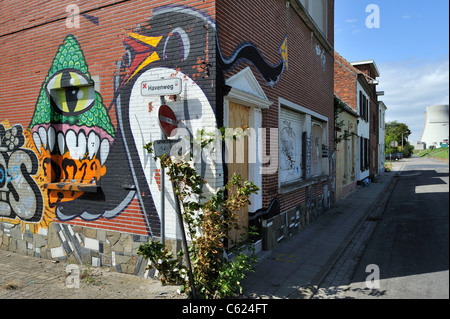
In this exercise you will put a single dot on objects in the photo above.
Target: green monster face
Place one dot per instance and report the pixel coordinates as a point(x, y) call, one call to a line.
point(67, 95)
point(70, 127)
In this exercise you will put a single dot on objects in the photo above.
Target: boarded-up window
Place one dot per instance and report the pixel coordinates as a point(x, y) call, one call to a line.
point(290, 146)
point(316, 149)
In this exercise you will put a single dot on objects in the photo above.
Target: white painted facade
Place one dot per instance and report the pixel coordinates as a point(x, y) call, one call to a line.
point(381, 136)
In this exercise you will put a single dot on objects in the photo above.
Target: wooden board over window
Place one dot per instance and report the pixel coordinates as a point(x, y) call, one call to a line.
point(238, 162)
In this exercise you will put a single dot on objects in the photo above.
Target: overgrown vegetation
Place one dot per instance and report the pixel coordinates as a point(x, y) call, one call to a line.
point(399, 133)
point(441, 153)
point(209, 222)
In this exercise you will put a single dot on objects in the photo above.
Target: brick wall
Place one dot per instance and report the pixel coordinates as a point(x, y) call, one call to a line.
point(345, 81)
point(308, 81)
point(82, 153)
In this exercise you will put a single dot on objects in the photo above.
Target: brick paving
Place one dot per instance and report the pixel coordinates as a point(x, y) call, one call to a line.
point(315, 263)
point(336, 283)
point(23, 277)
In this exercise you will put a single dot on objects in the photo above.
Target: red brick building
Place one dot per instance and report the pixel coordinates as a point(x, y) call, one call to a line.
point(371, 73)
point(80, 91)
point(355, 83)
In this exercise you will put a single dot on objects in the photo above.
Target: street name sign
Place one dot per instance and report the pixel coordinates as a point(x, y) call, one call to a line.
point(161, 87)
point(162, 147)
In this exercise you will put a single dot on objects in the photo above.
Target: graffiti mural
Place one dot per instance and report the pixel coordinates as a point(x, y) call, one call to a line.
point(287, 156)
point(283, 50)
point(248, 52)
point(176, 43)
point(72, 162)
point(20, 197)
point(72, 134)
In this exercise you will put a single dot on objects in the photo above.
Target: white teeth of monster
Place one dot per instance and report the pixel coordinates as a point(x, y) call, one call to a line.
point(82, 145)
point(44, 138)
point(61, 143)
point(76, 144)
point(37, 141)
point(43, 135)
point(93, 144)
point(51, 136)
point(104, 151)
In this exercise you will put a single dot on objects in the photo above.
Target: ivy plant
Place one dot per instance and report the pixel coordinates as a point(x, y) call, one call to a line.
point(209, 223)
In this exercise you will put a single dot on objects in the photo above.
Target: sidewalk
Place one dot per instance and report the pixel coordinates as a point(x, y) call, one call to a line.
point(294, 269)
point(297, 267)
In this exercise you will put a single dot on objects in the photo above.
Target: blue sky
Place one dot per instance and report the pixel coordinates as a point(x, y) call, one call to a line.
point(410, 49)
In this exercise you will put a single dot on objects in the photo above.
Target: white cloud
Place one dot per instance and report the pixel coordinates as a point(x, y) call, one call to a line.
point(411, 86)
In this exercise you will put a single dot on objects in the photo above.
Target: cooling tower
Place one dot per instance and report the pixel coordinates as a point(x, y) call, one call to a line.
point(436, 125)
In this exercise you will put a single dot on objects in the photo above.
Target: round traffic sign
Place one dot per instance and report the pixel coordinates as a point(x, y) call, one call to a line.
point(167, 120)
point(393, 144)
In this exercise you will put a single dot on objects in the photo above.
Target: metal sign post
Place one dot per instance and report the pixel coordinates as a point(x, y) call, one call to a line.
point(163, 204)
point(168, 123)
point(392, 144)
point(163, 190)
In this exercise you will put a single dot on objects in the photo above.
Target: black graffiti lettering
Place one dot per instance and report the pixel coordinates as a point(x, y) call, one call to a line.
point(84, 166)
point(67, 162)
point(19, 194)
point(55, 167)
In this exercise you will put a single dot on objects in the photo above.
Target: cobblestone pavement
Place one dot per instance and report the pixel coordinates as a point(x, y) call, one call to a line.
point(337, 283)
point(23, 277)
point(26, 277)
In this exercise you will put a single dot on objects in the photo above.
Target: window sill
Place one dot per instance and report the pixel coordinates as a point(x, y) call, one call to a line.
point(73, 186)
point(290, 187)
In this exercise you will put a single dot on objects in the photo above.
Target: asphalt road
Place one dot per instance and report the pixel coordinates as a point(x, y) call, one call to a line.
point(409, 248)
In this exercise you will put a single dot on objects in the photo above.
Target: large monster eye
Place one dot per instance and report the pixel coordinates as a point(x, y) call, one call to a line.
point(70, 92)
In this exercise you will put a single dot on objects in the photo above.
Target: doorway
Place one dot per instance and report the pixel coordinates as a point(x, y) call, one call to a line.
point(238, 117)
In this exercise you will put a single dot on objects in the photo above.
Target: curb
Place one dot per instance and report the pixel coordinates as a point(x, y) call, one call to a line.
point(374, 212)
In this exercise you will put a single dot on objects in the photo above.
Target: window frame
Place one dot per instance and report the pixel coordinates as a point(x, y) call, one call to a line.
point(308, 9)
point(309, 117)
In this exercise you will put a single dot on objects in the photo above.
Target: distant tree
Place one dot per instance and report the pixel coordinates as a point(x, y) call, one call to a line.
point(394, 132)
